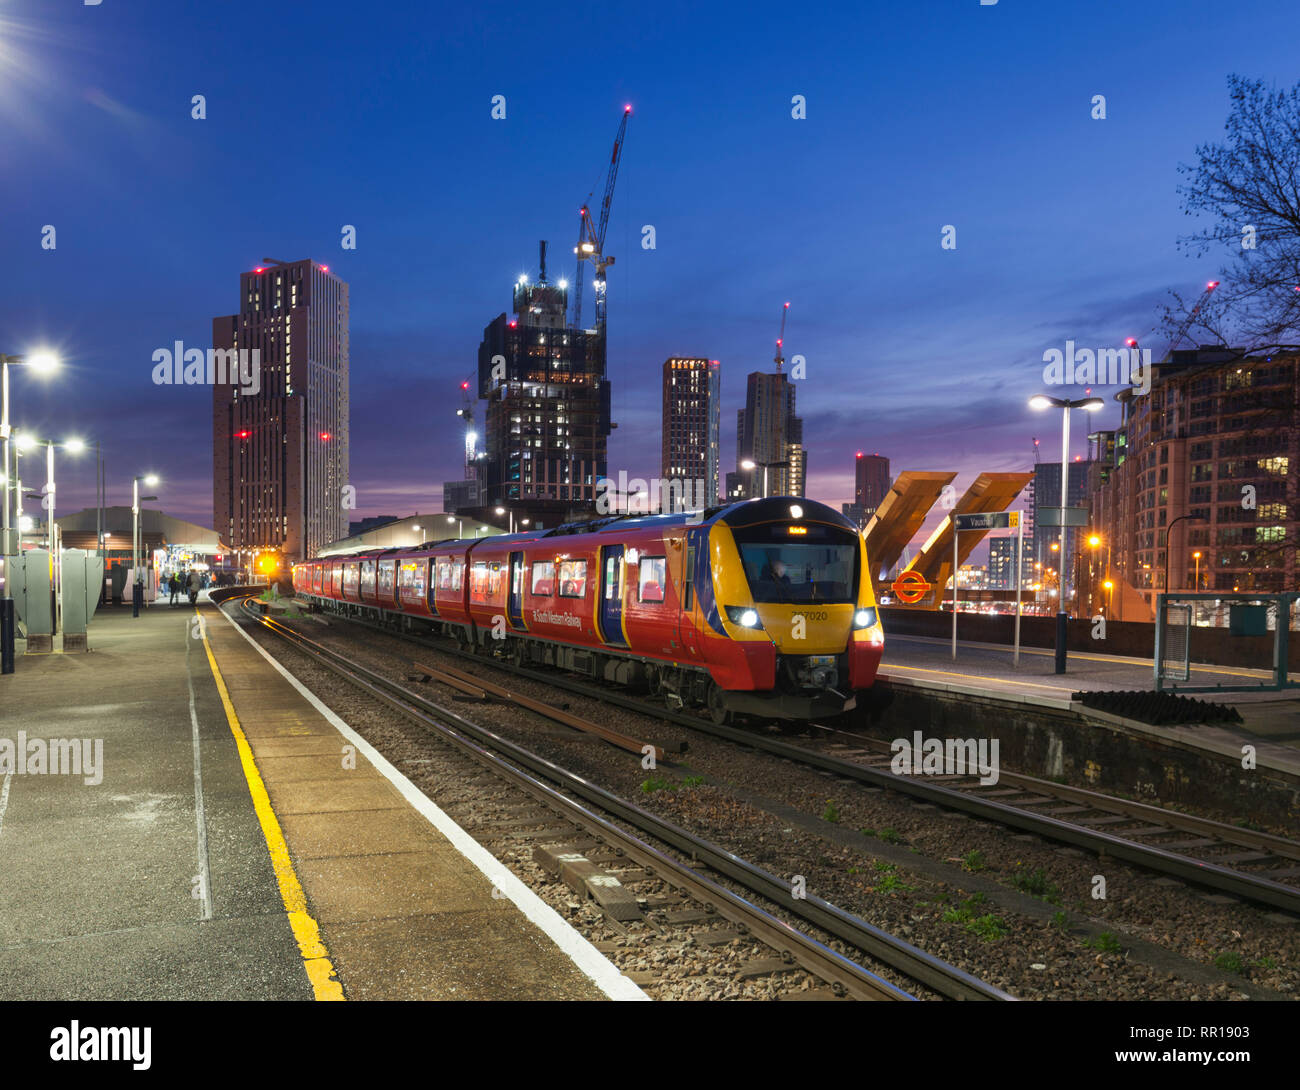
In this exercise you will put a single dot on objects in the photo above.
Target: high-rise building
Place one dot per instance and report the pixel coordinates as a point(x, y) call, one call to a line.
point(871, 483)
point(1002, 563)
point(1047, 493)
point(692, 399)
point(547, 421)
point(770, 435)
point(280, 442)
point(1216, 439)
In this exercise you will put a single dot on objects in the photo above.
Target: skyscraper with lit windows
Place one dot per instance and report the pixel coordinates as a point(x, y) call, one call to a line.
point(280, 447)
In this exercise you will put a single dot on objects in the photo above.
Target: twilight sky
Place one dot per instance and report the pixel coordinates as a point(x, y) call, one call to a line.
point(321, 114)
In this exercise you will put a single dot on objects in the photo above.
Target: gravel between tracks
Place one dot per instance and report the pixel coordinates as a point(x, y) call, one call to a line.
point(945, 882)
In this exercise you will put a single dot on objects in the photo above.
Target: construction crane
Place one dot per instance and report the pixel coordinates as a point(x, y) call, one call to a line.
point(1131, 342)
point(591, 237)
point(1035, 450)
point(466, 412)
point(1187, 322)
point(779, 358)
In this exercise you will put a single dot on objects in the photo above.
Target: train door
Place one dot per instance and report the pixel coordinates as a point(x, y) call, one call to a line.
point(611, 595)
point(515, 600)
point(687, 631)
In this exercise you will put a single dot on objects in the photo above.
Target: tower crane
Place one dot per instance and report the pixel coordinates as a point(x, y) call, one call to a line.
point(591, 237)
point(779, 358)
point(1187, 322)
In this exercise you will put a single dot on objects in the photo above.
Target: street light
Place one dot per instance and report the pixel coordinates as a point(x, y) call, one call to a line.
point(43, 363)
point(1197, 557)
point(1175, 522)
point(1088, 404)
point(750, 464)
point(137, 588)
point(511, 524)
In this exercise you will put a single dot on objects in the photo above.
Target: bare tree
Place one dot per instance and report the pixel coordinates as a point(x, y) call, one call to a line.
point(1249, 186)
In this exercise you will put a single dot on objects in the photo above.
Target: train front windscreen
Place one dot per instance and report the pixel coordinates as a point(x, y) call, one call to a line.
point(800, 562)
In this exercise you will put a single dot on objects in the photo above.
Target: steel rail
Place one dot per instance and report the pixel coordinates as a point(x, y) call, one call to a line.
point(944, 978)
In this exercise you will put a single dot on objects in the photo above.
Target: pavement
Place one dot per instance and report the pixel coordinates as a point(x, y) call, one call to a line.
point(203, 837)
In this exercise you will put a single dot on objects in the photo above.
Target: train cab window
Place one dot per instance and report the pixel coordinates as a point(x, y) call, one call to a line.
point(543, 583)
point(653, 574)
point(573, 579)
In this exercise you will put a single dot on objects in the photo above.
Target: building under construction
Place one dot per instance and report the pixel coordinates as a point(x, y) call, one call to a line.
point(547, 419)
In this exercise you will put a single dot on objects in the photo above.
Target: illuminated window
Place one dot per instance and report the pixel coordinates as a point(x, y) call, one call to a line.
point(573, 579)
point(543, 581)
point(653, 575)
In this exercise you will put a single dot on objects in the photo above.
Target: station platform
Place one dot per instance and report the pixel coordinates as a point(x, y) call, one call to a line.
point(1270, 718)
point(177, 821)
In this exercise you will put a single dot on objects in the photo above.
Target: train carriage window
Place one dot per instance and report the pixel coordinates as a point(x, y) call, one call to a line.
point(543, 578)
point(457, 574)
point(386, 577)
point(612, 568)
point(688, 579)
point(573, 579)
point(653, 575)
point(478, 582)
point(494, 579)
point(443, 571)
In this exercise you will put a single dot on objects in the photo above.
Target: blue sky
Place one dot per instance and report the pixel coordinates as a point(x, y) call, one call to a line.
point(378, 115)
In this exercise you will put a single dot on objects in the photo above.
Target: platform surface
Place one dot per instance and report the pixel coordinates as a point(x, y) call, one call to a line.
point(1269, 716)
point(151, 874)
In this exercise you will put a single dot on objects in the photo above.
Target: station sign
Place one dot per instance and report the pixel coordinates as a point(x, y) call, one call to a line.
point(910, 587)
point(1051, 516)
point(988, 520)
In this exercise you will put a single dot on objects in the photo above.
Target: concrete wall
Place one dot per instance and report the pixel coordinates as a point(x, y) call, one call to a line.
point(1213, 646)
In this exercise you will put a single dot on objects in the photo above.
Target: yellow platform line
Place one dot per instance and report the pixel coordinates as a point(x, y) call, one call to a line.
point(316, 960)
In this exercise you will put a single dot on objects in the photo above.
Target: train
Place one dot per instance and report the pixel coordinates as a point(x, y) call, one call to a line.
point(757, 608)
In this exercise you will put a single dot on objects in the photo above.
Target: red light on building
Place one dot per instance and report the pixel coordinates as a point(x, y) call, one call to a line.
point(259, 271)
point(464, 385)
point(242, 434)
point(1131, 342)
point(1211, 285)
point(859, 454)
point(513, 324)
point(324, 268)
point(325, 436)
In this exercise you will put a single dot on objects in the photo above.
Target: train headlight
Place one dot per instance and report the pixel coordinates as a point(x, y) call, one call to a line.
point(745, 616)
point(864, 618)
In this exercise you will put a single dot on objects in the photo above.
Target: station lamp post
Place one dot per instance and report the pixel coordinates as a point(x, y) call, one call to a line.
point(502, 511)
point(43, 363)
point(460, 525)
point(1088, 404)
point(137, 577)
point(749, 464)
point(1175, 522)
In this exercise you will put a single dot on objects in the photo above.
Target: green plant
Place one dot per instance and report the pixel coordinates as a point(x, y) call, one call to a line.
point(891, 883)
point(1060, 921)
point(987, 926)
point(1230, 962)
point(881, 864)
point(1266, 963)
point(693, 781)
point(855, 870)
point(1105, 943)
point(867, 832)
point(891, 836)
point(1035, 883)
point(656, 783)
point(973, 861)
point(831, 813)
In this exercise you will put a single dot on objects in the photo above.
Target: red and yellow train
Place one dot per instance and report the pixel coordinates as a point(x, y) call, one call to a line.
point(763, 607)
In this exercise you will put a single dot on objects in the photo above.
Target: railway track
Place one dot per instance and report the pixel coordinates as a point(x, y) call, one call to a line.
point(544, 781)
point(1254, 866)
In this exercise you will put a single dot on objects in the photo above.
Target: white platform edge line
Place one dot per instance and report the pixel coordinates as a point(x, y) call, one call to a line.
point(602, 972)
